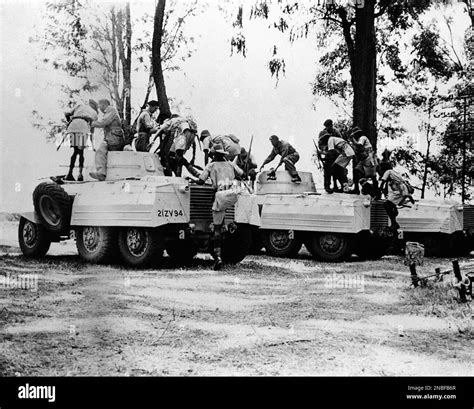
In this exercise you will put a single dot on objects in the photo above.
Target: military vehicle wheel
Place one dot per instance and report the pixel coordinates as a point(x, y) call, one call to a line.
point(281, 243)
point(53, 207)
point(462, 245)
point(182, 250)
point(330, 247)
point(139, 246)
point(236, 243)
point(96, 244)
point(33, 238)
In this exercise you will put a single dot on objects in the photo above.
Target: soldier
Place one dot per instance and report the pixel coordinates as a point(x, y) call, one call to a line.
point(366, 162)
point(329, 129)
point(247, 163)
point(396, 191)
point(222, 174)
point(146, 127)
point(346, 153)
point(288, 154)
point(327, 158)
point(113, 137)
point(229, 142)
point(80, 119)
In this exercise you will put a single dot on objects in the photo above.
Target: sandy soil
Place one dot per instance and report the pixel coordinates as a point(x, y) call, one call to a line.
point(265, 316)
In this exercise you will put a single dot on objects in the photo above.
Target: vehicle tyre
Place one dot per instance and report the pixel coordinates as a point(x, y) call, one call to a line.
point(96, 244)
point(279, 243)
point(462, 245)
point(330, 247)
point(139, 246)
point(33, 238)
point(181, 250)
point(236, 243)
point(53, 207)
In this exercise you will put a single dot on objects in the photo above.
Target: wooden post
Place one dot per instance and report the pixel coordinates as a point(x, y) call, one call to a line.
point(457, 274)
point(414, 276)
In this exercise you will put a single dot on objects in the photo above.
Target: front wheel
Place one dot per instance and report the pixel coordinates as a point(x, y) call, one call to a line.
point(96, 244)
point(33, 238)
point(139, 246)
point(332, 247)
point(281, 243)
point(236, 243)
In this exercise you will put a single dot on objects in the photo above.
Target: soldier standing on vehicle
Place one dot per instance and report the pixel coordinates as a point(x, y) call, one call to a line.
point(222, 174)
point(230, 143)
point(396, 191)
point(288, 154)
point(247, 163)
point(113, 137)
point(327, 158)
point(146, 127)
point(79, 129)
point(346, 153)
point(365, 157)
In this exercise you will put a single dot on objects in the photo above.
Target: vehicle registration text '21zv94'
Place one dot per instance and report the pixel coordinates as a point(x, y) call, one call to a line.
point(170, 213)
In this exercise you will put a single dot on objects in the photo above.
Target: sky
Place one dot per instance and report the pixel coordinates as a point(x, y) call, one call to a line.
point(225, 95)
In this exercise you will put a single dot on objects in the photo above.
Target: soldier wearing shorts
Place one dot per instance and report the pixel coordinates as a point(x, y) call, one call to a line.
point(222, 174)
point(79, 129)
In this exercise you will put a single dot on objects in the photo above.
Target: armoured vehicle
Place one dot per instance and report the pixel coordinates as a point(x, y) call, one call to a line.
point(331, 226)
point(136, 214)
point(444, 227)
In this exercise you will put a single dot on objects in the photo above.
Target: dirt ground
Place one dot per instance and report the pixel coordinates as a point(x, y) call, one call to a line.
point(264, 316)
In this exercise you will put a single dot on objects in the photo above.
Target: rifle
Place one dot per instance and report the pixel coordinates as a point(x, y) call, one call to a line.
point(248, 157)
point(62, 140)
point(320, 162)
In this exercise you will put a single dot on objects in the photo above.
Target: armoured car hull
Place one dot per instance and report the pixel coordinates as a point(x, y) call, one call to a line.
point(332, 226)
point(137, 210)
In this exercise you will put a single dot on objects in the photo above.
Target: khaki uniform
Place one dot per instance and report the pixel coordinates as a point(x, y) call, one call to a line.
point(229, 142)
point(113, 138)
point(222, 175)
point(80, 126)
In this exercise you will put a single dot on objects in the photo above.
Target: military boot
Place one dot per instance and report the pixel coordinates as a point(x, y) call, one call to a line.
point(80, 178)
point(217, 259)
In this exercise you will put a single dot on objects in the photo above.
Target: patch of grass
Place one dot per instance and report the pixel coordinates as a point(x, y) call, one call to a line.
point(440, 299)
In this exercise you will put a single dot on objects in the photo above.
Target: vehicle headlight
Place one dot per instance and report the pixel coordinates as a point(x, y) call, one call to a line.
point(183, 188)
point(367, 202)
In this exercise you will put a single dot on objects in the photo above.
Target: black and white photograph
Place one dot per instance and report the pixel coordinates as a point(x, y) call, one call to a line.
point(258, 189)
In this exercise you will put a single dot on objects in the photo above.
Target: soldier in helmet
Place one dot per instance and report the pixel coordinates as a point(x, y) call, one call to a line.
point(230, 143)
point(222, 174)
point(288, 154)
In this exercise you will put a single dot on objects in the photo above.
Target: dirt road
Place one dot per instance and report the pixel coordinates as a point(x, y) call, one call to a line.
point(265, 316)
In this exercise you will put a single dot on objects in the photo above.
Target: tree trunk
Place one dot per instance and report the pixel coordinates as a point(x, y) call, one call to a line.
point(156, 59)
point(363, 70)
point(127, 67)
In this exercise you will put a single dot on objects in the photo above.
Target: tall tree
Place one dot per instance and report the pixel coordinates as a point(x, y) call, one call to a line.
point(358, 25)
point(157, 59)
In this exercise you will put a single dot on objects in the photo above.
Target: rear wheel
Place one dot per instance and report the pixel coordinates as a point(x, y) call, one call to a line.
point(281, 243)
point(139, 246)
point(236, 243)
point(96, 244)
point(53, 207)
point(330, 247)
point(33, 238)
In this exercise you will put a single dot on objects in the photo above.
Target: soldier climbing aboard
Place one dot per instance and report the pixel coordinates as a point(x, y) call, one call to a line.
point(229, 142)
point(222, 174)
point(289, 157)
point(146, 127)
point(365, 159)
point(79, 129)
point(247, 163)
point(339, 167)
